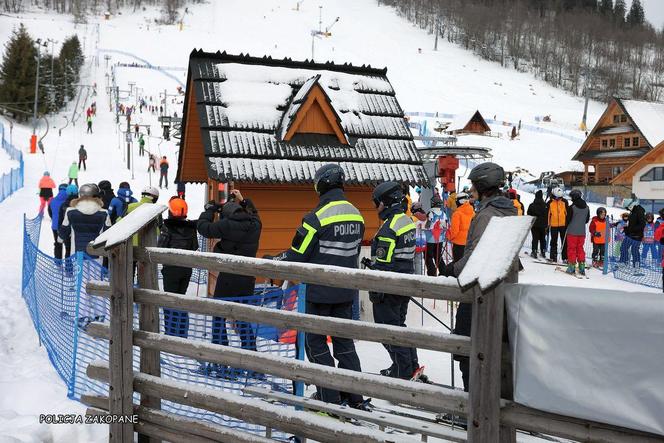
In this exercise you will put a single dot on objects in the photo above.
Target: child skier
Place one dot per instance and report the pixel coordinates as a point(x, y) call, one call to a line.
point(46, 186)
point(659, 237)
point(578, 215)
point(598, 237)
point(649, 244)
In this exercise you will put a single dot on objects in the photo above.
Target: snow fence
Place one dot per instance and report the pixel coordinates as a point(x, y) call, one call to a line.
point(12, 181)
point(54, 292)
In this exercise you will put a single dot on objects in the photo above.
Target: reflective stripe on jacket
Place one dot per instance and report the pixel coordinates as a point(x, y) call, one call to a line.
point(393, 246)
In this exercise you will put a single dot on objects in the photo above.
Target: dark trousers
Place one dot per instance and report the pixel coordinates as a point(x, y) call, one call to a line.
point(457, 252)
point(555, 233)
point(151, 167)
point(344, 349)
point(176, 280)
point(462, 326)
point(464, 367)
point(81, 161)
point(632, 246)
point(141, 150)
point(538, 241)
point(598, 251)
point(163, 176)
point(89, 131)
point(391, 309)
point(57, 246)
point(244, 330)
point(75, 180)
point(432, 258)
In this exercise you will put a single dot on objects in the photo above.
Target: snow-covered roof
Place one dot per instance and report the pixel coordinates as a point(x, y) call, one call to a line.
point(648, 118)
point(620, 153)
point(246, 105)
point(461, 120)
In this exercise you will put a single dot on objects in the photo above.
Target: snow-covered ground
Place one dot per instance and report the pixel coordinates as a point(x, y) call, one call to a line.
point(449, 80)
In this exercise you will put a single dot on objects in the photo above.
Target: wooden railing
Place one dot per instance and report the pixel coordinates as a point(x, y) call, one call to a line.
point(492, 416)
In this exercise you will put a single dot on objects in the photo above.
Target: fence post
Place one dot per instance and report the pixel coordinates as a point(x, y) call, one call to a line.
point(148, 319)
point(121, 349)
point(507, 433)
point(485, 365)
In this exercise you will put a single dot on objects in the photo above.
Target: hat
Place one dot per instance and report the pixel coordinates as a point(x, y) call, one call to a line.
point(47, 174)
point(539, 194)
point(177, 207)
point(72, 190)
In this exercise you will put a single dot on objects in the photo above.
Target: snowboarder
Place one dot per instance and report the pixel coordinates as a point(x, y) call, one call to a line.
point(538, 210)
point(118, 206)
point(152, 161)
point(598, 236)
point(649, 244)
point(73, 173)
point(46, 187)
point(634, 229)
point(331, 234)
point(557, 219)
point(487, 180)
point(89, 120)
point(163, 172)
point(238, 230)
point(459, 225)
point(106, 193)
point(180, 233)
point(578, 217)
point(82, 157)
point(141, 146)
point(53, 212)
point(393, 249)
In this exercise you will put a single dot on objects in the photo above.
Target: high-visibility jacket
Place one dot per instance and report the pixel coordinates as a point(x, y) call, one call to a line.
point(458, 231)
point(558, 213)
point(331, 234)
point(518, 206)
point(598, 226)
point(393, 246)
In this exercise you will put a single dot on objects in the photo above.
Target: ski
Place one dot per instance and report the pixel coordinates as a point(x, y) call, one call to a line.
point(579, 276)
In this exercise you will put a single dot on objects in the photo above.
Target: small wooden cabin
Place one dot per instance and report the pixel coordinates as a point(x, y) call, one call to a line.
point(468, 123)
point(264, 126)
point(626, 131)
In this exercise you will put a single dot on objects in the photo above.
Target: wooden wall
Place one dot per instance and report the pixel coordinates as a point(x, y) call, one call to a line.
point(192, 155)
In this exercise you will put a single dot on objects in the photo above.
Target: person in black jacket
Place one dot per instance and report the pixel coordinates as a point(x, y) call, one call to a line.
point(238, 230)
point(634, 228)
point(538, 210)
point(72, 194)
point(179, 233)
point(107, 194)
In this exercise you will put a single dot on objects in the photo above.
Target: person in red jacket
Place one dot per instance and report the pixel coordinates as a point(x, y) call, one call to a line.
point(659, 237)
point(46, 186)
point(598, 236)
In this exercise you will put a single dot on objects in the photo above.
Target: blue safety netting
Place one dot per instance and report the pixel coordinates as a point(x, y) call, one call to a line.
point(13, 180)
point(54, 291)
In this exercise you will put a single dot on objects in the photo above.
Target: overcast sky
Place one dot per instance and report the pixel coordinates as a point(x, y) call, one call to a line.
point(654, 11)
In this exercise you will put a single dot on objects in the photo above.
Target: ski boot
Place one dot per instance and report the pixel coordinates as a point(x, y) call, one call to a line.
point(387, 372)
point(582, 268)
point(364, 405)
point(571, 269)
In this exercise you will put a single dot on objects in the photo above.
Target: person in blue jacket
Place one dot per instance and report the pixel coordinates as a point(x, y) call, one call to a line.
point(120, 203)
point(54, 208)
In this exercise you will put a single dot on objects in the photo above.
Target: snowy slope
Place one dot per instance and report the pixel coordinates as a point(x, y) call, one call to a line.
point(449, 80)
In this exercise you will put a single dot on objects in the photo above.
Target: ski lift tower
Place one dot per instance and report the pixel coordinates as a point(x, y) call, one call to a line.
point(320, 33)
point(441, 156)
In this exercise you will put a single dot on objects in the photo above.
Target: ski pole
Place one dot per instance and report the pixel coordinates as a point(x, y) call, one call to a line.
point(430, 313)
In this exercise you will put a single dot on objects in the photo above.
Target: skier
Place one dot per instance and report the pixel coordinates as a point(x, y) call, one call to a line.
point(598, 236)
point(538, 210)
point(649, 244)
point(163, 172)
point(487, 180)
point(634, 229)
point(82, 157)
point(136, 129)
point(512, 195)
point(106, 193)
point(141, 146)
point(180, 233)
point(238, 230)
point(419, 218)
point(73, 173)
point(659, 237)
point(459, 225)
point(619, 238)
point(433, 230)
point(72, 194)
point(89, 120)
point(557, 219)
point(331, 234)
point(393, 249)
point(151, 163)
point(578, 215)
point(53, 212)
point(118, 206)
point(46, 187)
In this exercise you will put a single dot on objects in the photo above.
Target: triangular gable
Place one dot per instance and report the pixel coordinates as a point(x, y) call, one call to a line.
point(477, 118)
point(311, 112)
point(646, 117)
point(625, 177)
point(586, 143)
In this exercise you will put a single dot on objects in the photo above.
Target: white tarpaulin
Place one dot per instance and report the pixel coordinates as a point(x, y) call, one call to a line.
point(589, 353)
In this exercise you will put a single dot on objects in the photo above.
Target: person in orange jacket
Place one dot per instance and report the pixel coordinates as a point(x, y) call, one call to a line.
point(558, 208)
point(512, 195)
point(46, 187)
point(598, 236)
point(459, 225)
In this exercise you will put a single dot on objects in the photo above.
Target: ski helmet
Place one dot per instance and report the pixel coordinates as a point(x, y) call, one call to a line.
point(486, 176)
point(150, 191)
point(462, 198)
point(72, 190)
point(600, 210)
point(388, 193)
point(47, 174)
point(178, 207)
point(89, 190)
point(575, 194)
point(511, 193)
point(557, 192)
point(329, 176)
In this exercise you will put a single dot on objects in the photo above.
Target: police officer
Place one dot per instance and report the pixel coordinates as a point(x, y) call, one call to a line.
point(331, 234)
point(393, 249)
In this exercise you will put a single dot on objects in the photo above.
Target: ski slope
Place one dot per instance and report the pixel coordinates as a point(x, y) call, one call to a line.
point(449, 80)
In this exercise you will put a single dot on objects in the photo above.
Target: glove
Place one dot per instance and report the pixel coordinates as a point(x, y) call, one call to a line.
point(448, 270)
point(366, 262)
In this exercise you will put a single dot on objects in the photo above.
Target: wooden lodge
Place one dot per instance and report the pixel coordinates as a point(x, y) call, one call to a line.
point(626, 131)
point(265, 125)
point(468, 123)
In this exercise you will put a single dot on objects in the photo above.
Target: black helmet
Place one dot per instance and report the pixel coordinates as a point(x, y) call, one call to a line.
point(329, 176)
point(575, 194)
point(601, 209)
point(388, 193)
point(487, 176)
point(89, 190)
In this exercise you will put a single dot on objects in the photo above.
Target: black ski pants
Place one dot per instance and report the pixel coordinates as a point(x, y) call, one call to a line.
point(389, 309)
point(433, 259)
point(555, 233)
point(538, 241)
point(457, 252)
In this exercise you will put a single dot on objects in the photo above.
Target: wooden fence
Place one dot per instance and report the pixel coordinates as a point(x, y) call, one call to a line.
point(491, 415)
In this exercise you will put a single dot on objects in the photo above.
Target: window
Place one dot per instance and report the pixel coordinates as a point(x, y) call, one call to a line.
point(605, 143)
point(659, 174)
point(616, 118)
point(623, 118)
point(626, 141)
point(635, 141)
point(616, 170)
point(654, 174)
point(612, 143)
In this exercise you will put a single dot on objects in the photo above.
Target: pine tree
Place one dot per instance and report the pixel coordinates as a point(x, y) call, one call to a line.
point(70, 59)
point(17, 74)
point(636, 16)
point(606, 7)
point(619, 11)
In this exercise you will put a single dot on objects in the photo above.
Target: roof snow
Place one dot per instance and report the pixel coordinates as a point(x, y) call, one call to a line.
point(648, 117)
